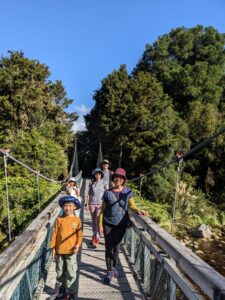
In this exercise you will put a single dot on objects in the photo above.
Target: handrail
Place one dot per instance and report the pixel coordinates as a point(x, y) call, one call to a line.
point(203, 275)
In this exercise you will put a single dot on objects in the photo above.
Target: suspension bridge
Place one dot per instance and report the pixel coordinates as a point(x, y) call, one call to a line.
point(153, 264)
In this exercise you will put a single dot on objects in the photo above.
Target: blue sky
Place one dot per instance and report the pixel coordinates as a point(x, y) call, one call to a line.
point(84, 40)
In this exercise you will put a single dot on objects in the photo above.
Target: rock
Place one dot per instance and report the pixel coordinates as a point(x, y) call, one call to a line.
point(203, 231)
point(195, 246)
point(199, 252)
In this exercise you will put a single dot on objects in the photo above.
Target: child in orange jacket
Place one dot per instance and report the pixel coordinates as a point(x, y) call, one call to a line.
point(65, 243)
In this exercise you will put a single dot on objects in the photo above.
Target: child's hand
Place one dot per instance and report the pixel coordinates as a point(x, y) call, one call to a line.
point(76, 249)
point(142, 213)
point(54, 255)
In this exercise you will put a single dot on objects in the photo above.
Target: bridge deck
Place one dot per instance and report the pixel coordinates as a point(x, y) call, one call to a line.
point(91, 264)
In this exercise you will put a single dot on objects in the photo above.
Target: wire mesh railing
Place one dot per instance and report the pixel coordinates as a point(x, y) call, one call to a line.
point(161, 272)
point(35, 272)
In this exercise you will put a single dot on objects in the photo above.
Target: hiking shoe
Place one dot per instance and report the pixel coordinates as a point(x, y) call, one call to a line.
point(70, 297)
point(115, 272)
point(95, 242)
point(61, 294)
point(108, 277)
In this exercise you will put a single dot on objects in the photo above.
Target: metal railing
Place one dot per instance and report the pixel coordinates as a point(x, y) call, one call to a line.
point(24, 264)
point(164, 268)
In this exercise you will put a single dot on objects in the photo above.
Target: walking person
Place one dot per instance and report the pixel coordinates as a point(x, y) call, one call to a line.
point(73, 186)
point(65, 242)
point(94, 202)
point(114, 219)
point(73, 189)
point(105, 164)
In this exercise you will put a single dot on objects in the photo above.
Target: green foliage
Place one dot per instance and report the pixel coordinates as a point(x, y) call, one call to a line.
point(158, 212)
point(189, 63)
point(38, 131)
point(30, 101)
point(110, 116)
point(23, 200)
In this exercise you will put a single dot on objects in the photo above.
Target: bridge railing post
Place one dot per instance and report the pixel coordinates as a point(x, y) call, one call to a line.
point(147, 266)
point(5, 152)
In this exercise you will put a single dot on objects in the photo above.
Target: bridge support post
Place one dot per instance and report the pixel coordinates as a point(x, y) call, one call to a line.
point(146, 270)
point(7, 193)
point(176, 189)
point(38, 193)
point(132, 246)
point(158, 277)
point(171, 288)
point(29, 286)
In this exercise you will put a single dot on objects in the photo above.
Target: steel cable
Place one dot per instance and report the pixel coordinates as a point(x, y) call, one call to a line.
point(184, 156)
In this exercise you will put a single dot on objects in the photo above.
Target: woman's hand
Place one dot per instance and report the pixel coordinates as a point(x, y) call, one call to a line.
point(142, 213)
point(101, 231)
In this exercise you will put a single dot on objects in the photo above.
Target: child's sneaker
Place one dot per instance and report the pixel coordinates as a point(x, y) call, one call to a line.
point(70, 297)
point(115, 272)
point(61, 294)
point(108, 277)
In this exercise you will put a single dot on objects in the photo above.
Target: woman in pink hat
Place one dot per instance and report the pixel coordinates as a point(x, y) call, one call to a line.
point(114, 219)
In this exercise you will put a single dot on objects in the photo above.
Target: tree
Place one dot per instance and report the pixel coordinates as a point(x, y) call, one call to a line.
point(189, 63)
point(109, 119)
point(36, 128)
point(31, 103)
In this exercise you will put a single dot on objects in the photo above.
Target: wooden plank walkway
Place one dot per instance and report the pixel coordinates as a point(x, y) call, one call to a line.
point(91, 270)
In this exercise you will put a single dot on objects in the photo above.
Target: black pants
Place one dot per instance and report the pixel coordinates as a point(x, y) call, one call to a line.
point(113, 237)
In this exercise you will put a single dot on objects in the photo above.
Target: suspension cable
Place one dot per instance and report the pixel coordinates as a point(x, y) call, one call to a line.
point(5, 152)
point(185, 155)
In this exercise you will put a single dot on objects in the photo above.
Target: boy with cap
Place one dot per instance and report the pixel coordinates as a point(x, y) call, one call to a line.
point(65, 243)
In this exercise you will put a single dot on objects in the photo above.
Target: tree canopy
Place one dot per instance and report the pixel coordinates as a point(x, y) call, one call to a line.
point(34, 123)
